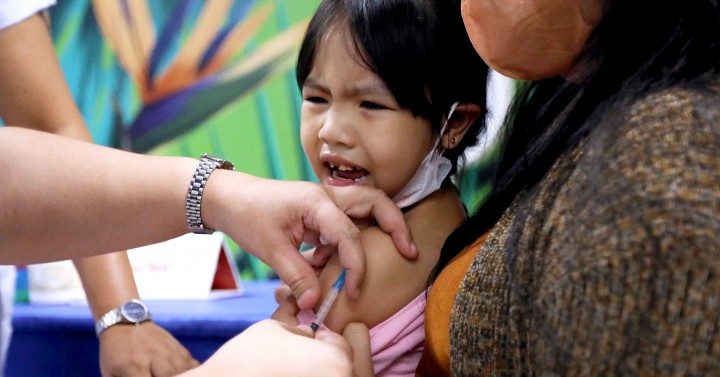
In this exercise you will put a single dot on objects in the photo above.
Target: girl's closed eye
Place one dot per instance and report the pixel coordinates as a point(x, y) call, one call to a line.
point(315, 99)
point(373, 106)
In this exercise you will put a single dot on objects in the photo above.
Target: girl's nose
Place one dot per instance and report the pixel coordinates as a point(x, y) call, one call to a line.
point(336, 129)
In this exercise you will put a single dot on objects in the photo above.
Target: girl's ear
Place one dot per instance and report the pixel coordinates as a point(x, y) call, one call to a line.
point(459, 123)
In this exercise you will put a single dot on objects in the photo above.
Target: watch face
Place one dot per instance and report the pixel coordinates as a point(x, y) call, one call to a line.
point(134, 311)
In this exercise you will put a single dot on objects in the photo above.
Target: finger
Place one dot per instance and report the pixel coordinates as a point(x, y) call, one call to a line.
point(305, 330)
point(391, 220)
point(192, 363)
point(141, 372)
point(187, 361)
point(364, 223)
point(295, 271)
point(338, 230)
point(287, 311)
point(352, 255)
point(362, 203)
point(322, 254)
point(282, 292)
point(163, 368)
point(317, 266)
point(311, 237)
point(336, 340)
point(358, 337)
point(355, 330)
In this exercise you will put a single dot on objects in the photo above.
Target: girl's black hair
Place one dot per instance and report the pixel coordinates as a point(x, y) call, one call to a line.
point(639, 47)
point(419, 48)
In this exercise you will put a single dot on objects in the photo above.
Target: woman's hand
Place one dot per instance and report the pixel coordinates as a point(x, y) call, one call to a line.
point(368, 206)
point(147, 349)
point(271, 219)
point(287, 304)
point(271, 348)
point(287, 309)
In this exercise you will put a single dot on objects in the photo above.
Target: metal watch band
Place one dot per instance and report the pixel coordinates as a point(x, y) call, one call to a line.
point(108, 319)
point(115, 316)
point(193, 203)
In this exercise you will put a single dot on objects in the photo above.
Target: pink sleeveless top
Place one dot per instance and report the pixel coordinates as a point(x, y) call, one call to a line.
point(397, 343)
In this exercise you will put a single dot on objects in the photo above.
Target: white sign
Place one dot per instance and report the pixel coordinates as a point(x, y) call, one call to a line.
point(192, 266)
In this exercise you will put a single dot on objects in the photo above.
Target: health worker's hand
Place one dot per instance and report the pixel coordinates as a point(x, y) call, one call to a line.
point(271, 219)
point(287, 309)
point(371, 207)
point(144, 350)
point(270, 348)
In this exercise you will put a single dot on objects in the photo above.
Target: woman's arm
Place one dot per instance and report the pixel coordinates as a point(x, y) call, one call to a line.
point(63, 198)
point(633, 286)
point(36, 96)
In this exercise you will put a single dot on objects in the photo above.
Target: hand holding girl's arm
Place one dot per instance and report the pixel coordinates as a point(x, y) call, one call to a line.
point(67, 199)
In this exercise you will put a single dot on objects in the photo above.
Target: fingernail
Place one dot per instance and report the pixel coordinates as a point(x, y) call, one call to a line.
point(304, 297)
point(306, 330)
point(323, 241)
point(322, 334)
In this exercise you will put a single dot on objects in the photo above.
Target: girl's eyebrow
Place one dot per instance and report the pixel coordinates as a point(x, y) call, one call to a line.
point(312, 84)
point(353, 90)
point(370, 88)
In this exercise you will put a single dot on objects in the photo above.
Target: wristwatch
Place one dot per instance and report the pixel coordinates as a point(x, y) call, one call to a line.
point(193, 203)
point(132, 311)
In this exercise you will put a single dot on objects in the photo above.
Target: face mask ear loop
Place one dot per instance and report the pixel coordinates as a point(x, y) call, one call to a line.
point(442, 130)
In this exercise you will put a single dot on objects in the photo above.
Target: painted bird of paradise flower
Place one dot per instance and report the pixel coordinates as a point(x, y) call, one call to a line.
point(182, 86)
point(183, 77)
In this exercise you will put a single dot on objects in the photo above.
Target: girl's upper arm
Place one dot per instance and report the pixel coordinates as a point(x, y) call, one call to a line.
point(391, 282)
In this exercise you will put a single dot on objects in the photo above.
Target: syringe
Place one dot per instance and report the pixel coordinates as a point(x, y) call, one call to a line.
point(329, 300)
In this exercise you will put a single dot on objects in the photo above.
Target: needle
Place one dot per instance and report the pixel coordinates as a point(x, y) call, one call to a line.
point(329, 300)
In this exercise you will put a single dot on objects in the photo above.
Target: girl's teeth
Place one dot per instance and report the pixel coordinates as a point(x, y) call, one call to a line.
point(342, 167)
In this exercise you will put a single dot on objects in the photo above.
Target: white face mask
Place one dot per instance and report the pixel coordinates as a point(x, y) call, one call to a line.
point(430, 174)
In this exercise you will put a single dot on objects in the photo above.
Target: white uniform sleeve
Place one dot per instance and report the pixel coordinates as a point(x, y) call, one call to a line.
point(14, 11)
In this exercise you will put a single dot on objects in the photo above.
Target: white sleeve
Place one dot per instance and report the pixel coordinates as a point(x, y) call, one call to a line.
point(14, 11)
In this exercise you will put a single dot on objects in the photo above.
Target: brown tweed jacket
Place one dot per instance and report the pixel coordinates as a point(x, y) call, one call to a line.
point(611, 264)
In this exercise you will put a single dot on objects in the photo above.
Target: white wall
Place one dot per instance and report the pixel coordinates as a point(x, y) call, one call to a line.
point(500, 92)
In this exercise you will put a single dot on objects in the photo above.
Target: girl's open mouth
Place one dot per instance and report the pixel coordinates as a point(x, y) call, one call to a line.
point(346, 175)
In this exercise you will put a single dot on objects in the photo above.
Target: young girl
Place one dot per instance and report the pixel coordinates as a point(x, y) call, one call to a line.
point(392, 96)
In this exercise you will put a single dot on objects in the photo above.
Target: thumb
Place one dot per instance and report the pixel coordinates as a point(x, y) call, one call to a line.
point(295, 271)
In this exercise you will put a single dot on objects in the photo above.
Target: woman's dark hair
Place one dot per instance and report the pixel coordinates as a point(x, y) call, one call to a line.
point(419, 48)
point(639, 47)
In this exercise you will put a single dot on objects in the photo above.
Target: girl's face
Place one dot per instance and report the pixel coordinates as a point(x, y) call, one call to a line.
point(352, 129)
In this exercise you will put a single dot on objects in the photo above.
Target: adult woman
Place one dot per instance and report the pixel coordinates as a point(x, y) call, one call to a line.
point(36, 96)
point(595, 253)
point(600, 256)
